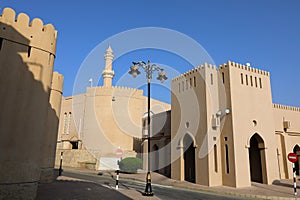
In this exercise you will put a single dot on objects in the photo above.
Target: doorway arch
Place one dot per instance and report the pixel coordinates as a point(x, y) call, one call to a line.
point(189, 159)
point(296, 150)
point(257, 159)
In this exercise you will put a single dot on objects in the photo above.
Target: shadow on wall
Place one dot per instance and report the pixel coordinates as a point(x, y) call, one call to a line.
point(24, 103)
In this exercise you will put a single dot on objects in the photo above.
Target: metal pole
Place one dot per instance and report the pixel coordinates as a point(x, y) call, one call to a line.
point(149, 126)
point(60, 165)
point(295, 185)
point(148, 189)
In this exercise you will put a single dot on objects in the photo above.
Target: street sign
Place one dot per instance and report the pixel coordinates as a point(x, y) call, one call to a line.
point(292, 157)
point(119, 153)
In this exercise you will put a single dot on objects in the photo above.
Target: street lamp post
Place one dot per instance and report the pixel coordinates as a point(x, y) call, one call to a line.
point(149, 69)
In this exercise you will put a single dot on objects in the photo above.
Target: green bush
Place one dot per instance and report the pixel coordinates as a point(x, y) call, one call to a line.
point(130, 165)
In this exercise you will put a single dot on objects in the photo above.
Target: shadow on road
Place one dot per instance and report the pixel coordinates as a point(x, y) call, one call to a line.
point(79, 190)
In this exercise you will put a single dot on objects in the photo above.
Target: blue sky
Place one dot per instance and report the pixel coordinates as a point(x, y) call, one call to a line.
point(265, 33)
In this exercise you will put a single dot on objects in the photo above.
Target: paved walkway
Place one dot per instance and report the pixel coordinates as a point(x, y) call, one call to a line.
point(70, 188)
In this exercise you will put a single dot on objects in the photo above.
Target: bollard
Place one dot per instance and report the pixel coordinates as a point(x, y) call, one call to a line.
point(60, 165)
point(117, 180)
point(294, 175)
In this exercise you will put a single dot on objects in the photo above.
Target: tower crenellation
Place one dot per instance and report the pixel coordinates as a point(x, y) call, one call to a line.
point(34, 33)
point(194, 70)
point(284, 107)
point(244, 67)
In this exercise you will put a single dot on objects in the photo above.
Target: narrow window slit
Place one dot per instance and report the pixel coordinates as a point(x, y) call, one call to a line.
point(223, 77)
point(49, 60)
point(242, 79)
point(216, 158)
point(255, 82)
point(227, 158)
point(260, 83)
point(1, 42)
point(29, 51)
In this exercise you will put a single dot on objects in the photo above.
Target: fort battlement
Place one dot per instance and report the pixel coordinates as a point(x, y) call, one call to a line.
point(284, 107)
point(114, 89)
point(244, 67)
point(35, 34)
point(194, 70)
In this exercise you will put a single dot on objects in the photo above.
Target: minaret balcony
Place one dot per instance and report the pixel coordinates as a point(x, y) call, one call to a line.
point(108, 73)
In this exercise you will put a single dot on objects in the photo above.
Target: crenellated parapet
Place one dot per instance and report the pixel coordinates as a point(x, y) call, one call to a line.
point(243, 67)
point(198, 69)
point(125, 88)
point(114, 90)
point(284, 107)
point(34, 34)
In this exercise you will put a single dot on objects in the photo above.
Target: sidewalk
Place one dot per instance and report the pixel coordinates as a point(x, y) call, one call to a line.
point(65, 186)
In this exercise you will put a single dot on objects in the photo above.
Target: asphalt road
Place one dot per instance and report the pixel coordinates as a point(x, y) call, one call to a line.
point(160, 191)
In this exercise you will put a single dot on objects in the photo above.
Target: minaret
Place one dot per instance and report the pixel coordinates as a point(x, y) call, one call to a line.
point(108, 73)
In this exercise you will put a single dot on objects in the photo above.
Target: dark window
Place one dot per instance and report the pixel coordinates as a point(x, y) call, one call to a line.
point(194, 81)
point(216, 158)
point(49, 60)
point(187, 84)
point(251, 81)
point(260, 83)
point(211, 79)
point(1, 42)
point(29, 51)
point(227, 158)
point(242, 79)
point(255, 82)
point(223, 77)
point(246, 79)
point(74, 145)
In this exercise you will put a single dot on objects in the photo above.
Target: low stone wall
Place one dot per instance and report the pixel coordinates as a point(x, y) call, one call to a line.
point(77, 158)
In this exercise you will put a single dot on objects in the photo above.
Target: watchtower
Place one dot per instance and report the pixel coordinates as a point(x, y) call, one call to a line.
point(27, 52)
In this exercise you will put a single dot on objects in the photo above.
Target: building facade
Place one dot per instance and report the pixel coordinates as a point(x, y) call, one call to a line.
point(30, 103)
point(106, 118)
point(160, 149)
point(225, 129)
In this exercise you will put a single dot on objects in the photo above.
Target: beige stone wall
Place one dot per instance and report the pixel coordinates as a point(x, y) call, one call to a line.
point(72, 111)
point(194, 104)
point(249, 101)
point(48, 146)
point(26, 61)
